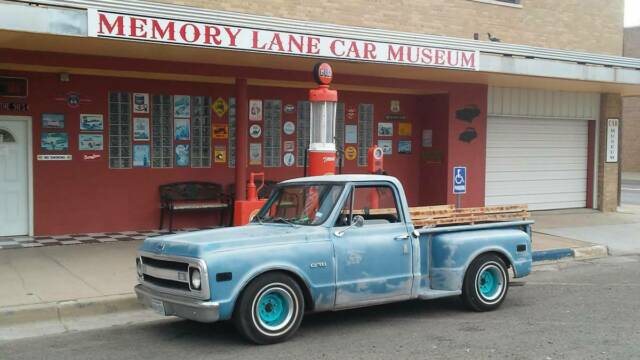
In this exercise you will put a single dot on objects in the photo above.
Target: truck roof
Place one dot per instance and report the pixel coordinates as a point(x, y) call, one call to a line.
point(345, 178)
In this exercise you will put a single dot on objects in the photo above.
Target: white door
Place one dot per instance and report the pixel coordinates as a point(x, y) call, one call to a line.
point(14, 196)
point(539, 162)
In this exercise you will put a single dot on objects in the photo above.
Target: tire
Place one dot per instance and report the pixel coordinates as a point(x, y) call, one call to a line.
point(486, 283)
point(270, 309)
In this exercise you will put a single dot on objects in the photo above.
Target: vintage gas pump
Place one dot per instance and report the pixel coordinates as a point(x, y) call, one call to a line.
point(322, 149)
point(245, 210)
point(375, 157)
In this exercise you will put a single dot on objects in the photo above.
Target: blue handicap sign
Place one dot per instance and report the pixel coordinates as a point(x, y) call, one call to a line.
point(459, 179)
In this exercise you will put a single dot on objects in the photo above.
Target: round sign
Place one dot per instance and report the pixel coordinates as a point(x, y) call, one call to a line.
point(289, 159)
point(255, 130)
point(289, 127)
point(377, 153)
point(322, 73)
point(350, 153)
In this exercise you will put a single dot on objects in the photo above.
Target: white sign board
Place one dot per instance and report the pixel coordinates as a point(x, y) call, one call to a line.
point(612, 140)
point(185, 32)
point(54, 157)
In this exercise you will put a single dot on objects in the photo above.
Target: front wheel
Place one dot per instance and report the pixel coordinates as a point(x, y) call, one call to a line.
point(270, 309)
point(485, 283)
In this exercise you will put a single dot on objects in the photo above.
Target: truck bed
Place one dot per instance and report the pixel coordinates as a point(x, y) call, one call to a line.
point(443, 215)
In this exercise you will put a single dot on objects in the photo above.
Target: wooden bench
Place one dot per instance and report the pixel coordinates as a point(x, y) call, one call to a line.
point(193, 197)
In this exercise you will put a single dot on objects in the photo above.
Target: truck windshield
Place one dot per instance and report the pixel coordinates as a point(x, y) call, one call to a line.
point(300, 204)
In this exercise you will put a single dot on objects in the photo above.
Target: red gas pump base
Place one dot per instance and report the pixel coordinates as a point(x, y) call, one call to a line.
point(245, 210)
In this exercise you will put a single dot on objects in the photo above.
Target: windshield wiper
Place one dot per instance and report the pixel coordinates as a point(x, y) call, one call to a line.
point(283, 220)
point(257, 217)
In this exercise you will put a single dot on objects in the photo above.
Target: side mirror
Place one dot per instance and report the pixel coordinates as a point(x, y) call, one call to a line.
point(357, 221)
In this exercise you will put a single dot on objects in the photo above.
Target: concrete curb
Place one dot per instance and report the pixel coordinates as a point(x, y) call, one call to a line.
point(588, 252)
point(65, 311)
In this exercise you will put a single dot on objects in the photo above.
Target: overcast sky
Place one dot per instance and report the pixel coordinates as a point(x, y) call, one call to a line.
point(632, 13)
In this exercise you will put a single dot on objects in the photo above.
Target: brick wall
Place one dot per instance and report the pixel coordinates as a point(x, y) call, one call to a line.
point(584, 25)
point(631, 110)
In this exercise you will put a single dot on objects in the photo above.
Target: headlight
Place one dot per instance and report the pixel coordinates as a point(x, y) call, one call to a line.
point(139, 267)
point(196, 280)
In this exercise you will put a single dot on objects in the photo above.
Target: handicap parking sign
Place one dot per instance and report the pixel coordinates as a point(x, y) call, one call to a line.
point(459, 179)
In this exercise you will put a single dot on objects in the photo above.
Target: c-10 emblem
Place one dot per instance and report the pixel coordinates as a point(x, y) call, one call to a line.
point(318, 264)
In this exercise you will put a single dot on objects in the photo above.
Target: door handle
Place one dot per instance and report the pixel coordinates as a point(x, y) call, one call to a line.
point(401, 237)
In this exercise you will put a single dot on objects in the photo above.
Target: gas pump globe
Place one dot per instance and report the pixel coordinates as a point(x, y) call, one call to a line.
point(322, 148)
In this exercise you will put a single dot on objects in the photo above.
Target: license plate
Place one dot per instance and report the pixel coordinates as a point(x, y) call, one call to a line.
point(158, 306)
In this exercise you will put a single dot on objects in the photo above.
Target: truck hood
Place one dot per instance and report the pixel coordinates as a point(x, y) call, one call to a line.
point(198, 243)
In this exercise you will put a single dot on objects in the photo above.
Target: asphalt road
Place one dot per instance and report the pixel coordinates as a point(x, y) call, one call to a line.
point(578, 310)
point(631, 192)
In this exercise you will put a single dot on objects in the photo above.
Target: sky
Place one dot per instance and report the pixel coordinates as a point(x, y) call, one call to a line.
point(631, 13)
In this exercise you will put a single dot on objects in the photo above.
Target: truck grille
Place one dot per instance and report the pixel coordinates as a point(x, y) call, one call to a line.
point(171, 274)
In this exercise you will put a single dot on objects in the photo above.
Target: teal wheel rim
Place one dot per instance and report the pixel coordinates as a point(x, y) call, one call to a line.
point(490, 282)
point(274, 308)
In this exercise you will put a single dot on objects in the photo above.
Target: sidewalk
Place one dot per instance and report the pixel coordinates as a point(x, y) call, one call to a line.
point(64, 283)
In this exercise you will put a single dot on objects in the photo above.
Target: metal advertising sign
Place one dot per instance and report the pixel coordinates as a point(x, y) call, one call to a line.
point(107, 24)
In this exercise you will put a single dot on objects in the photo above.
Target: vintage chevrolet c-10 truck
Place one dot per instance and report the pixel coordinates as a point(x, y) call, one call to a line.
point(327, 243)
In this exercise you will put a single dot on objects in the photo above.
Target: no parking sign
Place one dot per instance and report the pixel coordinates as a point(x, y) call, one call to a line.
point(460, 180)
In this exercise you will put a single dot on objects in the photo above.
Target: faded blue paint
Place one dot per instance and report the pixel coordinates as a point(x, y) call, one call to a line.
point(364, 266)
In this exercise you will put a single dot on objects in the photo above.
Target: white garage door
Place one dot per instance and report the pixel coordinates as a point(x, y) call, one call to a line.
point(539, 162)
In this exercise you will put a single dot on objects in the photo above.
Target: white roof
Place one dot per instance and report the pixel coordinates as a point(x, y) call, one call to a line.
point(345, 178)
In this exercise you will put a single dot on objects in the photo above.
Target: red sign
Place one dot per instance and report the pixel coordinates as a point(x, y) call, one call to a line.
point(91, 157)
point(154, 29)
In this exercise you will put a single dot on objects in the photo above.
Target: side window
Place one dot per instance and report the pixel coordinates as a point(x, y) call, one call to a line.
point(377, 204)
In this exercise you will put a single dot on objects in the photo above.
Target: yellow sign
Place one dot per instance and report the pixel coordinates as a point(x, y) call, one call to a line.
point(404, 129)
point(350, 153)
point(220, 131)
point(220, 107)
point(220, 154)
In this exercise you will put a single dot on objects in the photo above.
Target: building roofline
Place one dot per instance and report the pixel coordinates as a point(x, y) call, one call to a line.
point(150, 8)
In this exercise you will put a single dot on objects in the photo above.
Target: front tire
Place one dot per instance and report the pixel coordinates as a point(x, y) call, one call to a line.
point(485, 283)
point(270, 309)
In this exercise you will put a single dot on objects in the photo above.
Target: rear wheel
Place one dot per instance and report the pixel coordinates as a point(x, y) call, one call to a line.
point(485, 283)
point(270, 309)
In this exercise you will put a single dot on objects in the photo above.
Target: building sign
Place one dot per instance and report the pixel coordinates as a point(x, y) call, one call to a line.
point(54, 157)
point(161, 30)
point(612, 140)
point(14, 106)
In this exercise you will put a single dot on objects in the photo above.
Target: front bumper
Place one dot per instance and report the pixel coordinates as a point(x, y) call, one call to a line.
point(192, 309)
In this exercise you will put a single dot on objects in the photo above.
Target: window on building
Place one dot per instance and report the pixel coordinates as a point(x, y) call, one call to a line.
point(272, 132)
point(365, 132)
point(303, 130)
point(201, 132)
point(119, 130)
point(232, 132)
point(162, 131)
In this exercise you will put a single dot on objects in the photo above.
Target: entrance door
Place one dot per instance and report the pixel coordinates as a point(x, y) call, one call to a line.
point(374, 262)
point(14, 196)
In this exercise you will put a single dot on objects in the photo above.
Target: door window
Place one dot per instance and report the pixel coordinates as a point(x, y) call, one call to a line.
point(6, 137)
point(376, 204)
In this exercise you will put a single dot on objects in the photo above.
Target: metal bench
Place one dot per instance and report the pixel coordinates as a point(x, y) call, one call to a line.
point(192, 197)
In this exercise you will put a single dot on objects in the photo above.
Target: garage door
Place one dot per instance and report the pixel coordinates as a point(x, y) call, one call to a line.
point(540, 162)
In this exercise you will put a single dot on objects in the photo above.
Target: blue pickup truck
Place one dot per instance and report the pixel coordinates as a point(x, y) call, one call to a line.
point(324, 244)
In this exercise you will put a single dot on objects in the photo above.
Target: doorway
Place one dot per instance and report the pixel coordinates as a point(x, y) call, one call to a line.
point(15, 179)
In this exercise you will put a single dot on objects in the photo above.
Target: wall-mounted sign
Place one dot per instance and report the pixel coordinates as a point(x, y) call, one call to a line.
point(351, 134)
point(14, 87)
point(255, 110)
point(289, 127)
point(289, 108)
point(289, 146)
point(172, 31)
point(14, 107)
point(54, 157)
point(395, 106)
point(395, 117)
point(141, 103)
point(289, 159)
point(220, 154)
point(255, 154)
point(220, 107)
point(427, 138)
point(405, 129)
point(73, 99)
point(612, 140)
point(351, 113)
point(255, 131)
point(220, 131)
point(91, 157)
point(350, 153)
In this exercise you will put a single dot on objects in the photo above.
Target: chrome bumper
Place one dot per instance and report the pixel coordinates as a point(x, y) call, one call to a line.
point(192, 309)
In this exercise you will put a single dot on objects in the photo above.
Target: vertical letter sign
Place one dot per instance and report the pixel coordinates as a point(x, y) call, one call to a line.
point(612, 140)
point(460, 180)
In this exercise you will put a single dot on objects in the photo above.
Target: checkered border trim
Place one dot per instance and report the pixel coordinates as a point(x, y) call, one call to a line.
point(21, 242)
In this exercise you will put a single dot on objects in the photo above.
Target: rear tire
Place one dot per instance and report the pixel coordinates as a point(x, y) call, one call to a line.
point(270, 309)
point(486, 283)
